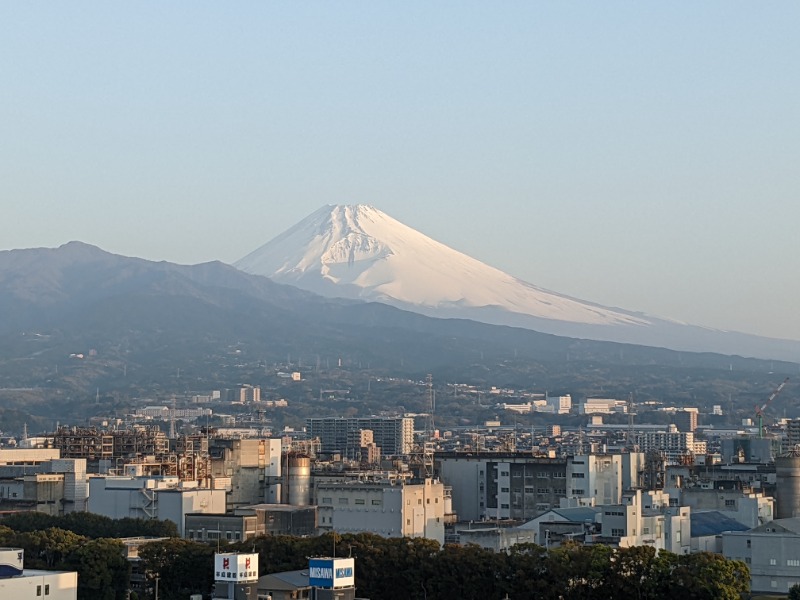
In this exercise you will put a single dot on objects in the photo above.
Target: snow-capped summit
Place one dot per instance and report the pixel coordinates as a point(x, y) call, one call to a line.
point(358, 251)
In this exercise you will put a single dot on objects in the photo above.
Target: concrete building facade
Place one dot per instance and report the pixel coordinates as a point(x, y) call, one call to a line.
point(150, 498)
point(389, 508)
point(772, 551)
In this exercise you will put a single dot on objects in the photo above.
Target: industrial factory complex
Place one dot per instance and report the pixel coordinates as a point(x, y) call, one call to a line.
point(681, 486)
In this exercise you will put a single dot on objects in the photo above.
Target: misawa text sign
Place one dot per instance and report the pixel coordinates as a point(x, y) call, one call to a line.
point(332, 573)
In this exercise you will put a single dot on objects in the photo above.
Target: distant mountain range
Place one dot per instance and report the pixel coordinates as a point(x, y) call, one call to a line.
point(359, 252)
point(160, 315)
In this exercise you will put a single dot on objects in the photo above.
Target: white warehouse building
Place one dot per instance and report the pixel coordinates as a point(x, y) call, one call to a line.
point(152, 498)
point(387, 508)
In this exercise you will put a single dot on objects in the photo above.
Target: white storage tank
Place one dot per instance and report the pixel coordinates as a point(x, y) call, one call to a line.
point(299, 479)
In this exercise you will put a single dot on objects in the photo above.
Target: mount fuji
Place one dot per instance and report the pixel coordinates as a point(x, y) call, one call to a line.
point(360, 252)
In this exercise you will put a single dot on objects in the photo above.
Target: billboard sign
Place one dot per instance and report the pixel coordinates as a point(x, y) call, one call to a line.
point(239, 568)
point(332, 573)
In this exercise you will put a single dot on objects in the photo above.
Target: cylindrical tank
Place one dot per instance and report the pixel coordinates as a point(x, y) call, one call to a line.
point(787, 487)
point(299, 480)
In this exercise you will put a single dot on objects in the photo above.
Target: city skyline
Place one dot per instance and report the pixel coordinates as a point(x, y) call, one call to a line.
point(633, 156)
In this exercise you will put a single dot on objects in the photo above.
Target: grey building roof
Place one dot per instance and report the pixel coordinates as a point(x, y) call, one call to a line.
point(579, 514)
point(713, 522)
point(286, 581)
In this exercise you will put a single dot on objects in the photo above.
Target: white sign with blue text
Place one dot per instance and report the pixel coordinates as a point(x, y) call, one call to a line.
point(331, 573)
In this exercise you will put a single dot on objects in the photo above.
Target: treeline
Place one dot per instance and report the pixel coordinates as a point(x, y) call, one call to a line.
point(386, 568)
point(103, 570)
point(91, 525)
point(82, 542)
point(418, 569)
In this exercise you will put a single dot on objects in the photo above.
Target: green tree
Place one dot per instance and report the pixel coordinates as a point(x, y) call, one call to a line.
point(794, 592)
point(707, 576)
point(103, 570)
point(183, 567)
point(48, 549)
point(581, 571)
point(528, 573)
point(634, 573)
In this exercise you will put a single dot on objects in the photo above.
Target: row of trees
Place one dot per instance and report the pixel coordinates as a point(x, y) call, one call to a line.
point(386, 568)
point(91, 525)
point(82, 542)
point(103, 570)
point(408, 569)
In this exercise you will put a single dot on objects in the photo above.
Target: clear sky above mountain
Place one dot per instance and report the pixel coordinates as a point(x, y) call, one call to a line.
point(641, 155)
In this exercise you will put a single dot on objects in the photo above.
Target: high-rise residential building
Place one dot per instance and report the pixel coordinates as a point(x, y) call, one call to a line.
point(249, 393)
point(673, 443)
point(394, 435)
point(686, 419)
point(792, 433)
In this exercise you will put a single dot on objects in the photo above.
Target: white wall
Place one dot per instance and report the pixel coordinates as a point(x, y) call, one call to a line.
point(62, 586)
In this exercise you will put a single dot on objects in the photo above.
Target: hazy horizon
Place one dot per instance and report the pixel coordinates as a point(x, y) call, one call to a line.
point(636, 156)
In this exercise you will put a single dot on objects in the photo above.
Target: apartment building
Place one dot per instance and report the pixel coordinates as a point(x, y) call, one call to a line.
point(393, 435)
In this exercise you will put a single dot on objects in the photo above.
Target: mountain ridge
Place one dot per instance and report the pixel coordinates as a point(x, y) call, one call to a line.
point(359, 252)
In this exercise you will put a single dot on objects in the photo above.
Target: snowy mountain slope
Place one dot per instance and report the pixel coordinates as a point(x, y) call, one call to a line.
point(361, 252)
point(357, 251)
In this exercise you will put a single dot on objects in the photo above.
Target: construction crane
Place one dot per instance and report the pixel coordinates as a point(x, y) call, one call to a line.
point(760, 409)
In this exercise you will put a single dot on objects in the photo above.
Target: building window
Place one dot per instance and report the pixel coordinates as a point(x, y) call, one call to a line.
point(46, 589)
point(503, 490)
point(577, 475)
point(748, 543)
point(344, 500)
point(377, 502)
point(617, 532)
point(773, 562)
point(730, 502)
point(360, 501)
point(327, 501)
point(503, 473)
point(504, 506)
point(793, 562)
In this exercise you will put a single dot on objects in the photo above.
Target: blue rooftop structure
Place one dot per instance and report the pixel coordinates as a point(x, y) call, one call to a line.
point(713, 522)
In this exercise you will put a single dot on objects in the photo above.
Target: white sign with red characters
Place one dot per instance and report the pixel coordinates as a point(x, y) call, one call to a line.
point(239, 568)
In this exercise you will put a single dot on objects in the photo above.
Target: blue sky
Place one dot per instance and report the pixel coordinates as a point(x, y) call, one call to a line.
point(641, 155)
